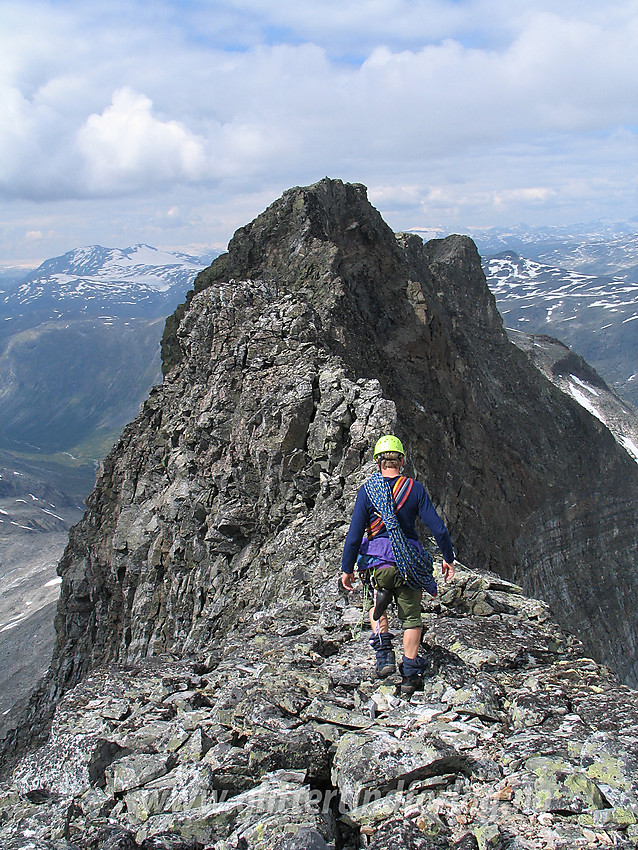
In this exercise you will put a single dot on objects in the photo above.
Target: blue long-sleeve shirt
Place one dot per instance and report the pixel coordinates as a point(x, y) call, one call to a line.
point(417, 504)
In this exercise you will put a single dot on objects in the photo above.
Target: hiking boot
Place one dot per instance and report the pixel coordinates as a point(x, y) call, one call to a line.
point(412, 670)
point(383, 599)
point(411, 684)
point(386, 661)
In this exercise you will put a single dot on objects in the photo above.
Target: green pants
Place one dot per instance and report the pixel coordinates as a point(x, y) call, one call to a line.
point(407, 598)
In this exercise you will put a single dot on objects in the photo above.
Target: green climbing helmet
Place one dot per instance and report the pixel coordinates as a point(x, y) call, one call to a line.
point(388, 443)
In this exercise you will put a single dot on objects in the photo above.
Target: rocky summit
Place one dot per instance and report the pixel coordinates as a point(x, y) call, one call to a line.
point(212, 687)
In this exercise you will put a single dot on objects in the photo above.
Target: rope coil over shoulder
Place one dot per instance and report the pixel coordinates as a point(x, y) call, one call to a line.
point(414, 567)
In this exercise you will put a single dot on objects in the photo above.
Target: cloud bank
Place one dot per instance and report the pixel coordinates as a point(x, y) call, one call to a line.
point(457, 110)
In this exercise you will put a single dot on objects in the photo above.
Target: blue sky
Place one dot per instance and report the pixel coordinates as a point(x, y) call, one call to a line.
point(174, 123)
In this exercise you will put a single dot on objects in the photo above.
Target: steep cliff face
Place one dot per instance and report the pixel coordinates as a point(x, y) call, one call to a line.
point(576, 378)
point(319, 330)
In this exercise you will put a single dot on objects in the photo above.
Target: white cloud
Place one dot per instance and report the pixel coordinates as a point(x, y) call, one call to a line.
point(126, 147)
point(531, 194)
point(465, 108)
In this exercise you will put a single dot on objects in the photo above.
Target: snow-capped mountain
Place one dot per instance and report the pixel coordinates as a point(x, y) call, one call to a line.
point(79, 342)
point(599, 248)
point(96, 279)
point(139, 265)
point(596, 315)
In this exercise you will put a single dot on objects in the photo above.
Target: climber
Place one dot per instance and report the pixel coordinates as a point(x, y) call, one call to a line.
point(368, 544)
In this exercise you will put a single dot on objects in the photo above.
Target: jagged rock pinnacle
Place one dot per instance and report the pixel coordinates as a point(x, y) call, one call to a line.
point(316, 332)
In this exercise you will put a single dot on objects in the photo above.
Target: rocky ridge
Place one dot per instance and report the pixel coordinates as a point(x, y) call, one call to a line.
point(282, 738)
point(225, 504)
point(574, 376)
point(317, 331)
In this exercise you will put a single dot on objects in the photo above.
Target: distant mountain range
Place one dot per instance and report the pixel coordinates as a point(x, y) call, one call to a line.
point(582, 290)
point(79, 344)
point(598, 248)
point(93, 281)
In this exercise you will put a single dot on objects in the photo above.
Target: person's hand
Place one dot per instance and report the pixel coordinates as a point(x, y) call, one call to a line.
point(346, 580)
point(448, 571)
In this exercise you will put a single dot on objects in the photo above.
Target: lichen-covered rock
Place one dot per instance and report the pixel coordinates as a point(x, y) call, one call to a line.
point(295, 752)
point(399, 832)
point(63, 768)
point(552, 785)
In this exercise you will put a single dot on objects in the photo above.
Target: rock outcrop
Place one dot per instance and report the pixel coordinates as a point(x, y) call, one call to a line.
point(574, 376)
point(215, 531)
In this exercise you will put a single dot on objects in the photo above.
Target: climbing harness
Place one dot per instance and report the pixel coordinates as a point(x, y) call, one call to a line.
point(414, 567)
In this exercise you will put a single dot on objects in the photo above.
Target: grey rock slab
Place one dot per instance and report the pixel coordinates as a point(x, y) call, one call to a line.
point(133, 771)
point(192, 748)
point(304, 839)
point(231, 767)
point(300, 749)
point(61, 767)
point(183, 788)
point(489, 643)
point(262, 812)
point(327, 712)
point(482, 698)
point(376, 810)
point(372, 763)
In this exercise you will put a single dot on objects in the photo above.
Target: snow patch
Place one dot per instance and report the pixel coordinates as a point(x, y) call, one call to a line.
point(53, 582)
point(584, 385)
point(585, 402)
point(55, 516)
point(630, 447)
